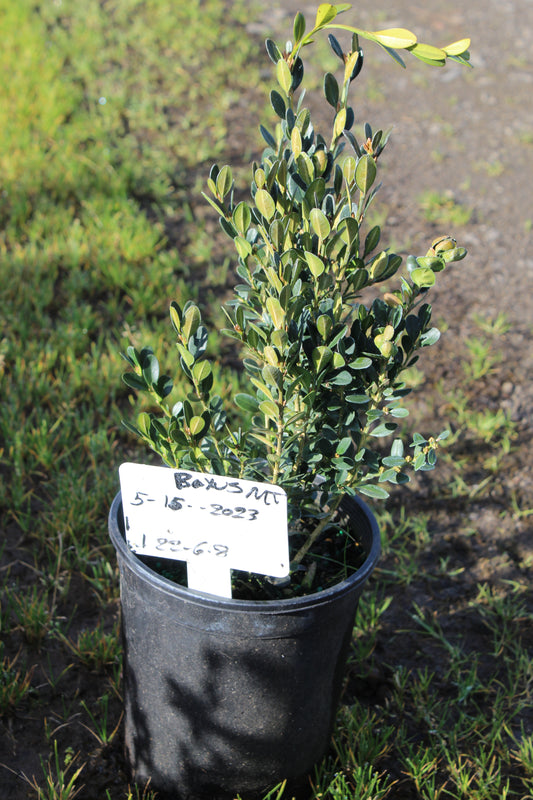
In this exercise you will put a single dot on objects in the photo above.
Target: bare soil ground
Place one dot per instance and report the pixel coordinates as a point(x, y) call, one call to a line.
point(468, 135)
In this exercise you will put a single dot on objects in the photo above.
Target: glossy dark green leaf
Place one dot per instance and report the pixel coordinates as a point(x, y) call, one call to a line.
point(372, 239)
point(134, 381)
point(278, 103)
point(335, 46)
point(273, 51)
point(331, 89)
point(267, 136)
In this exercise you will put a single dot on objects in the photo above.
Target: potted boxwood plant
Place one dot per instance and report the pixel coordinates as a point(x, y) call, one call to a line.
point(234, 695)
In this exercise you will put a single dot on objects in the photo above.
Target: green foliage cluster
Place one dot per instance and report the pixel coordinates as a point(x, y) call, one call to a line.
point(324, 367)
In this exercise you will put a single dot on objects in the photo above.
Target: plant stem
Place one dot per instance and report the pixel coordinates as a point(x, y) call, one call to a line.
point(313, 537)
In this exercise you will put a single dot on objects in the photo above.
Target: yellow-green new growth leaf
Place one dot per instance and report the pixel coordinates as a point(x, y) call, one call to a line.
point(273, 306)
point(283, 75)
point(201, 371)
point(339, 124)
point(321, 357)
point(197, 426)
point(423, 277)
point(269, 409)
point(270, 356)
point(242, 217)
point(399, 38)
point(143, 423)
point(315, 264)
point(348, 169)
point(265, 203)
point(429, 54)
point(325, 13)
point(319, 223)
point(191, 321)
point(457, 48)
point(296, 142)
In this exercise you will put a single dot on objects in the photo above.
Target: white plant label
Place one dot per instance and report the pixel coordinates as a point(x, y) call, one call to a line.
point(212, 522)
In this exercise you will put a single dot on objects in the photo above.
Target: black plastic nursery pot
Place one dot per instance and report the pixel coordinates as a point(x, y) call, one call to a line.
point(230, 696)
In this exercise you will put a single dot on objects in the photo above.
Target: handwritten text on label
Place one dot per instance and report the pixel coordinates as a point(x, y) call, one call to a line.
point(208, 520)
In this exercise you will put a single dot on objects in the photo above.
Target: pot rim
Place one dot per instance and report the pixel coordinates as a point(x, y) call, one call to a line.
point(353, 505)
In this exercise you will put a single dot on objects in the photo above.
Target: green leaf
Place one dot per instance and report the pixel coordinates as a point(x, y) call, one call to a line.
point(269, 409)
point(306, 168)
point(349, 230)
point(321, 357)
point(365, 173)
point(430, 337)
point(344, 378)
point(430, 262)
point(283, 75)
point(340, 123)
point(399, 412)
point(457, 48)
point(331, 89)
point(358, 399)
point(143, 423)
point(385, 429)
point(198, 426)
point(423, 278)
point(224, 181)
point(134, 381)
point(242, 217)
point(429, 54)
point(273, 306)
point(325, 13)
point(395, 37)
point(296, 142)
point(377, 492)
point(348, 171)
point(298, 27)
point(315, 264)
point(267, 136)
point(324, 325)
point(457, 254)
point(191, 321)
point(265, 203)
point(319, 223)
point(246, 402)
point(372, 239)
point(176, 316)
point(273, 51)
point(243, 247)
point(278, 104)
point(201, 371)
point(363, 362)
point(150, 370)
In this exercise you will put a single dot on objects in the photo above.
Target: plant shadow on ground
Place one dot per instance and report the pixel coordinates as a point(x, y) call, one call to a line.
point(438, 696)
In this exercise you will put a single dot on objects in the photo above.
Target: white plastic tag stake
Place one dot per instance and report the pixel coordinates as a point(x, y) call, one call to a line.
point(214, 523)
